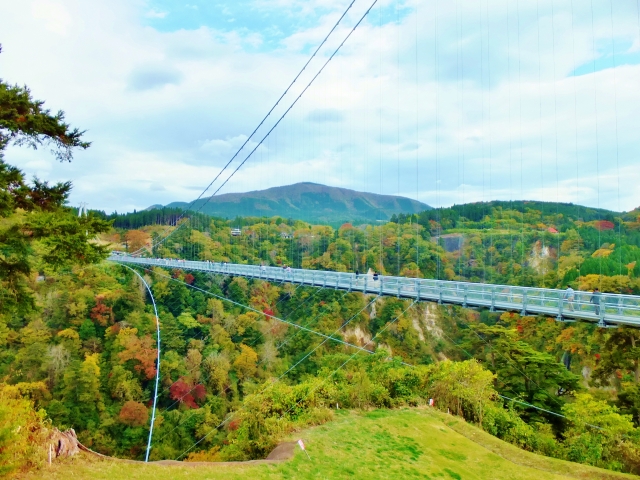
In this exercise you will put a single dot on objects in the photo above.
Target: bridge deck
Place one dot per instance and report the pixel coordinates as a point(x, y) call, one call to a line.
point(614, 309)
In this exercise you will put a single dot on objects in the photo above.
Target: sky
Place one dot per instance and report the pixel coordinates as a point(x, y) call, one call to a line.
point(444, 102)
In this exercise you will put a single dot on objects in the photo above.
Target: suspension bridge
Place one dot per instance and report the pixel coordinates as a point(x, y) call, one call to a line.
point(605, 309)
point(488, 154)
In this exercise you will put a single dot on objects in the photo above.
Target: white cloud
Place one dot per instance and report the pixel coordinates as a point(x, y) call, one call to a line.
point(53, 15)
point(165, 110)
point(156, 14)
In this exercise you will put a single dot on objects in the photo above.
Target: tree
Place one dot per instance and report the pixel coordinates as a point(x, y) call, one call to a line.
point(58, 358)
point(598, 434)
point(463, 387)
point(24, 121)
point(133, 414)
point(217, 368)
point(138, 349)
point(619, 357)
point(122, 384)
point(136, 240)
point(101, 313)
point(23, 432)
point(81, 392)
point(521, 371)
point(245, 363)
point(186, 393)
point(35, 213)
point(87, 330)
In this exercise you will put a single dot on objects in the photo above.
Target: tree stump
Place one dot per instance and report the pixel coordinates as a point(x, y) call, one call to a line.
point(65, 444)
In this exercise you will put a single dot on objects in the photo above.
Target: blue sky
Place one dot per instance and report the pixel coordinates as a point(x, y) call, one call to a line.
point(444, 102)
point(274, 23)
point(610, 54)
point(239, 16)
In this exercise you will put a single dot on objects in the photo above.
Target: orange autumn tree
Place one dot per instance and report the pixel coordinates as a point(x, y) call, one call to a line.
point(138, 349)
point(136, 239)
point(134, 414)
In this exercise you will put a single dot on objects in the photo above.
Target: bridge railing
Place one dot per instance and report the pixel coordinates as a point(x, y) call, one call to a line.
point(613, 308)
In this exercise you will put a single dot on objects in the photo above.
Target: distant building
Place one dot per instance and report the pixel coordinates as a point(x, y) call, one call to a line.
point(236, 232)
point(285, 235)
point(552, 230)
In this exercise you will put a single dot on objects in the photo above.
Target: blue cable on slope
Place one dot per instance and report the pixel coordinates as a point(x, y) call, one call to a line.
point(155, 396)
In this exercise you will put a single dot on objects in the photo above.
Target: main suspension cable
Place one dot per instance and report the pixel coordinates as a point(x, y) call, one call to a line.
point(281, 117)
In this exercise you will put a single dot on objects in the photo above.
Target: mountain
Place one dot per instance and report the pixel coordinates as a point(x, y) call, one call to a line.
point(307, 201)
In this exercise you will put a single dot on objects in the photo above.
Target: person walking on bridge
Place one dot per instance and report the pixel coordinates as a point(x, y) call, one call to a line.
point(596, 297)
point(569, 295)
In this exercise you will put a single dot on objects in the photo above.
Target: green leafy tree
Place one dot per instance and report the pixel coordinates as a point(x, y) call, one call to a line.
point(522, 371)
point(33, 216)
point(598, 434)
point(81, 393)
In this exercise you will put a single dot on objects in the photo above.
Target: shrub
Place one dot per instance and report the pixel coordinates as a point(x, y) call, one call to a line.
point(601, 436)
point(23, 432)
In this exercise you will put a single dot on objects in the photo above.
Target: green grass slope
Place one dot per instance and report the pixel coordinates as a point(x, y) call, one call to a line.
point(382, 444)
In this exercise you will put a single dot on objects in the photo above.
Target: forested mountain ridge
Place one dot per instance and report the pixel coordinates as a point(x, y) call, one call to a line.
point(524, 243)
point(307, 201)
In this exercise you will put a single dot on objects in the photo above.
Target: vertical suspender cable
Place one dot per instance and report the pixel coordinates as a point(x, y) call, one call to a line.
point(522, 278)
point(575, 115)
point(378, 225)
point(417, 139)
point(543, 196)
point(510, 143)
point(438, 206)
point(555, 116)
point(460, 111)
point(490, 139)
point(398, 228)
point(615, 106)
point(482, 147)
point(463, 158)
point(595, 105)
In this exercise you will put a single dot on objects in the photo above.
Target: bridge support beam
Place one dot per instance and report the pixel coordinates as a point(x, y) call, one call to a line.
point(493, 299)
point(560, 318)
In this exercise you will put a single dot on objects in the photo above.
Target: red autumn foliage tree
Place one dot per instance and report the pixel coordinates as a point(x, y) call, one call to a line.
point(186, 394)
point(133, 414)
point(188, 279)
point(101, 314)
point(604, 225)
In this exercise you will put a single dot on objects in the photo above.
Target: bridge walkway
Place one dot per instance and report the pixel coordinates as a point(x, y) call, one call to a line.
point(612, 310)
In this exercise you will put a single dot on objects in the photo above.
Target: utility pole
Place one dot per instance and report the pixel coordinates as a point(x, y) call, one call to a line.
point(83, 207)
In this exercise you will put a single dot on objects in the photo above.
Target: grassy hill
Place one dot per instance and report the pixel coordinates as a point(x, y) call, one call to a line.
point(306, 201)
point(406, 444)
